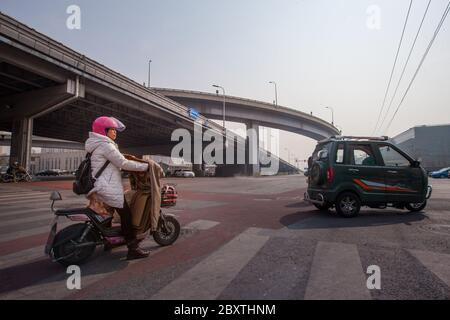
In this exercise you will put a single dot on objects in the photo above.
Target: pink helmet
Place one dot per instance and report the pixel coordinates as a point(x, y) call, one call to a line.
point(101, 124)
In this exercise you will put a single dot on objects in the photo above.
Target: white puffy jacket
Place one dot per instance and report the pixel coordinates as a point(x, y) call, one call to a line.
point(109, 186)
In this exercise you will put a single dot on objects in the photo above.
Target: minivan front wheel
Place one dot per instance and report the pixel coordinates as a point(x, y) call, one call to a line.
point(348, 205)
point(416, 207)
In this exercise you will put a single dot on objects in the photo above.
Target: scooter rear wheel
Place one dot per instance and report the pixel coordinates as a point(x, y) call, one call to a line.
point(167, 232)
point(65, 242)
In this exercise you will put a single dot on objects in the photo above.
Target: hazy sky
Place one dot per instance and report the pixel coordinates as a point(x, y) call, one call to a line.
point(321, 53)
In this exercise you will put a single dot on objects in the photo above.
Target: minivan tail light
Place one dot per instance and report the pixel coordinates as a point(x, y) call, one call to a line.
point(330, 175)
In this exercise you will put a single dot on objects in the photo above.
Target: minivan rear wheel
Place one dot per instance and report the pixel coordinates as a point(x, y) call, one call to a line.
point(416, 207)
point(348, 205)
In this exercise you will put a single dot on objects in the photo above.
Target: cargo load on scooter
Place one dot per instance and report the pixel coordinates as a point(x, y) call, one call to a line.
point(144, 197)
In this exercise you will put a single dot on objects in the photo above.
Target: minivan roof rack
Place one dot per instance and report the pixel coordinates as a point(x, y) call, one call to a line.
point(382, 138)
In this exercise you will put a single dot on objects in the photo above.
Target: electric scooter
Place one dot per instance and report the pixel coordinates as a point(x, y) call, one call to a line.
point(76, 243)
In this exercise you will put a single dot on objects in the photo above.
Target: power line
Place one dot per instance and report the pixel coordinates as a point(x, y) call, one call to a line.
point(404, 67)
point(438, 28)
point(393, 67)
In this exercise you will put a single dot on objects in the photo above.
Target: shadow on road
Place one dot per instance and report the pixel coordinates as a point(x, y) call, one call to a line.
point(301, 204)
point(43, 271)
point(367, 218)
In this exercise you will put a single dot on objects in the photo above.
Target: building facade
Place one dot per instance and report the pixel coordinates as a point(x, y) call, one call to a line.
point(430, 144)
point(63, 159)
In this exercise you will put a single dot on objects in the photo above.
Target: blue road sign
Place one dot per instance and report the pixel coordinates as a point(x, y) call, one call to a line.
point(193, 113)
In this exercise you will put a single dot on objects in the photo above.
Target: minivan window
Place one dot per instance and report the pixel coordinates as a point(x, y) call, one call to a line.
point(361, 155)
point(340, 154)
point(320, 147)
point(392, 158)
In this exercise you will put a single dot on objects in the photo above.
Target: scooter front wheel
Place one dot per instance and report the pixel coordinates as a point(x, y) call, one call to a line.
point(69, 250)
point(168, 231)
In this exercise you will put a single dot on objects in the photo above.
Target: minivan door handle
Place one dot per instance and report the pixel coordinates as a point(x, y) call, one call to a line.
point(392, 171)
point(353, 170)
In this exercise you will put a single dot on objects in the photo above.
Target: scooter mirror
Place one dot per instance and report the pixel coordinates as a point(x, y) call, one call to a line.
point(55, 196)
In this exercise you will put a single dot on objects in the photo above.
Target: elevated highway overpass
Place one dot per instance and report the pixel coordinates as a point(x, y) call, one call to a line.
point(49, 90)
point(41, 142)
point(252, 112)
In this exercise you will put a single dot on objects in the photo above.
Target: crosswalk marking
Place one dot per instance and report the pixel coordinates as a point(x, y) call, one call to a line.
point(30, 232)
point(24, 194)
point(21, 208)
point(336, 273)
point(9, 212)
point(210, 277)
point(15, 191)
point(438, 263)
point(37, 200)
point(201, 225)
point(18, 197)
point(26, 255)
point(21, 257)
point(53, 287)
point(26, 220)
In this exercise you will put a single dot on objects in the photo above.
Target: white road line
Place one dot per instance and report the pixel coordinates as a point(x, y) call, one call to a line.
point(21, 195)
point(195, 225)
point(201, 225)
point(37, 200)
point(44, 203)
point(19, 202)
point(13, 191)
point(5, 212)
point(438, 263)
point(54, 287)
point(13, 222)
point(336, 273)
point(30, 232)
point(21, 257)
point(211, 276)
point(34, 194)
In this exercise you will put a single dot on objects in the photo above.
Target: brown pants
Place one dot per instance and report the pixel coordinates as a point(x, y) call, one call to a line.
point(127, 227)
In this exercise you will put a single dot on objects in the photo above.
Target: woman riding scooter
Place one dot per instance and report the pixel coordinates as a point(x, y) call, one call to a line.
point(108, 186)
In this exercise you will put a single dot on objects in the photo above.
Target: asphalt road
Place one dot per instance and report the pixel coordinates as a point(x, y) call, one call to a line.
point(242, 238)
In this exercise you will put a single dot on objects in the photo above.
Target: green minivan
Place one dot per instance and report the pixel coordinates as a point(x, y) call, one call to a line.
point(350, 172)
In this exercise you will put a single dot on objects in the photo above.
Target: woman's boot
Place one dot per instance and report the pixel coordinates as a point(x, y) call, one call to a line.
point(134, 252)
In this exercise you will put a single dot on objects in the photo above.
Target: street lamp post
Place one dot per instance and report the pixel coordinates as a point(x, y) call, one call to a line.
point(276, 94)
point(275, 102)
point(332, 114)
point(149, 64)
point(223, 109)
point(289, 155)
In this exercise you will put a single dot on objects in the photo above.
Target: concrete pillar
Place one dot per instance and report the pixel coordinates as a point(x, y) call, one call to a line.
point(21, 138)
point(198, 170)
point(252, 149)
point(197, 147)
